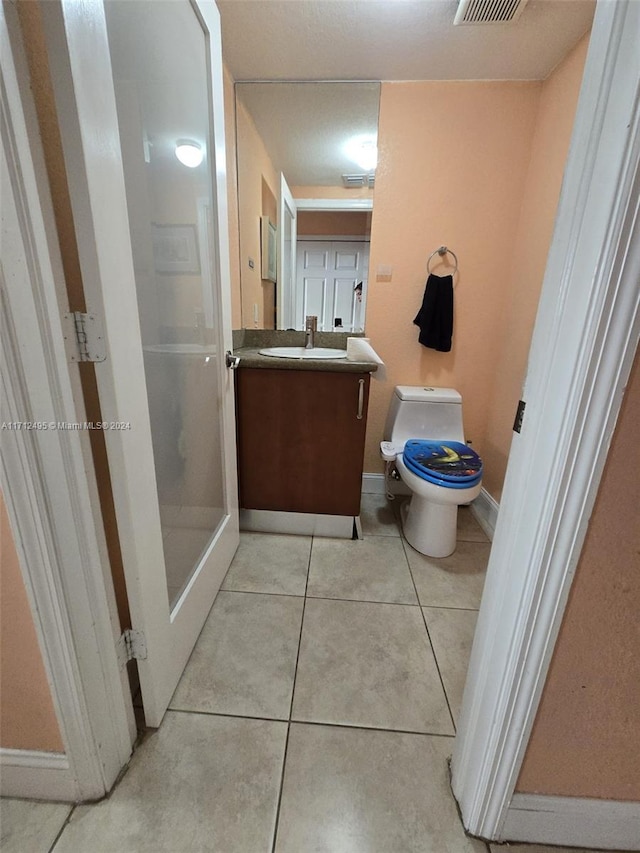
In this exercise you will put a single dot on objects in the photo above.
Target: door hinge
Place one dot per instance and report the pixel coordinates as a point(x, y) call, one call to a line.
point(84, 337)
point(517, 424)
point(131, 646)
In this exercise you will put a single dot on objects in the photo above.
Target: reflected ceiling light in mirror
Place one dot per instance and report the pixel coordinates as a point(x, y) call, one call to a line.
point(189, 153)
point(363, 151)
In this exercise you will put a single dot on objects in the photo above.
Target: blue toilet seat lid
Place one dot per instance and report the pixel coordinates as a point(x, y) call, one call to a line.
point(447, 463)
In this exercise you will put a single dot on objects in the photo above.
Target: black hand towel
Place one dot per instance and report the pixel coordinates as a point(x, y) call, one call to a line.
point(435, 317)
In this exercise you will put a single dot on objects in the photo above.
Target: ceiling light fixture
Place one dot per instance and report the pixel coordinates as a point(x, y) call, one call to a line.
point(363, 151)
point(189, 153)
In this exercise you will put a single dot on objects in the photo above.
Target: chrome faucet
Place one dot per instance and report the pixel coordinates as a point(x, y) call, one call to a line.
point(310, 329)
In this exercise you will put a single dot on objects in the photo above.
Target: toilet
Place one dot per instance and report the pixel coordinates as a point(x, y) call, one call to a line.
point(424, 444)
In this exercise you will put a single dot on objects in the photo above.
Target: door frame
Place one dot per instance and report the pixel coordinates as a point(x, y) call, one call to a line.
point(584, 341)
point(329, 204)
point(49, 484)
point(285, 302)
point(80, 61)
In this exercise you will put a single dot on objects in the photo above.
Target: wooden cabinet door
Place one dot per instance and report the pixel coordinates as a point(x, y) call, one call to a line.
point(300, 440)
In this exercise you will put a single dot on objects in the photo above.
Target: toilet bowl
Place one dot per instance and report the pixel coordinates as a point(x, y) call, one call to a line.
point(424, 444)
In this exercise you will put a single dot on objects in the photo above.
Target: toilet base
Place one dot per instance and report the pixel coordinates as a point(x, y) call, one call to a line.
point(429, 527)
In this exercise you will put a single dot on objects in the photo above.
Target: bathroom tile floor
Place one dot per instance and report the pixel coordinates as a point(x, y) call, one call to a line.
point(316, 713)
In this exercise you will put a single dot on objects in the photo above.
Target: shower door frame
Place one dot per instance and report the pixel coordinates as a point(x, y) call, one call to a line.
point(80, 56)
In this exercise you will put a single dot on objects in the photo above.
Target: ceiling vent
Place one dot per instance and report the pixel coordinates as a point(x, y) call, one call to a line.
point(489, 11)
point(358, 181)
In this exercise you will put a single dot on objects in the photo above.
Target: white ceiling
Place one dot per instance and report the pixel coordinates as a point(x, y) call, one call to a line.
point(394, 40)
point(305, 126)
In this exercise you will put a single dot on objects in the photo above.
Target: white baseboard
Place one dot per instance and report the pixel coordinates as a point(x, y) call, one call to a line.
point(35, 775)
point(296, 523)
point(373, 484)
point(573, 821)
point(485, 509)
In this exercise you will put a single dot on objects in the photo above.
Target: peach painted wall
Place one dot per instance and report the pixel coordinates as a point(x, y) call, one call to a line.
point(585, 739)
point(27, 716)
point(452, 167)
point(232, 196)
point(331, 192)
point(549, 151)
point(335, 223)
point(254, 169)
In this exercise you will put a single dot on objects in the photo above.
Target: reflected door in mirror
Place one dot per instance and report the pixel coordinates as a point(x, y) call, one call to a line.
point(331, 283)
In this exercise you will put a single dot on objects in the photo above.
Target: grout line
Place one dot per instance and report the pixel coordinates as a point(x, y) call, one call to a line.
point(324, 723)
point(364, 600)
point(279, 803)
point(359, 600)
point(62, 828)
point(200, 713)
point(260, 592)
point(357, 728)
point(293, 687)
point(304, 607)
point(433, 650)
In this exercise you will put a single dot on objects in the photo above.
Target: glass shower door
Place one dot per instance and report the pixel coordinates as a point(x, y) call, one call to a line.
point(132, 80)
point(159, 61)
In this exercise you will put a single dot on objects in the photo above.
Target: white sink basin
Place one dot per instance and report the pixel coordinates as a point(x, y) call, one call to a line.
point(302, 352)
point(181, 349)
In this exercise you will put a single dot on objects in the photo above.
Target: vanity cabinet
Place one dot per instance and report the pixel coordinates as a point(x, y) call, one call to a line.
point(301, 439)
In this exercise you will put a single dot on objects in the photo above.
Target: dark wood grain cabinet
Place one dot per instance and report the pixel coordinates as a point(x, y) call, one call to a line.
point(301, 439)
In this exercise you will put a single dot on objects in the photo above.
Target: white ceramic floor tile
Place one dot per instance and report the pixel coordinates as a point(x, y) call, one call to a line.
point(371, 569)
point(368, 665)
point(355, 791)
point(267, 562)
point(27, 826)
point(451, 633)
point(200, 783)
point(468, 528)
point(245, 659)
point(455, 581)
point(377, 516)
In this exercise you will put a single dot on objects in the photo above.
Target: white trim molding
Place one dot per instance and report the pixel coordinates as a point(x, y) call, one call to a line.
point(297, 523)
point(328, 204)
point(373, 484)
point(47, 473)
point(485, 509)
point(577, 821)
point(36, 775)
point(583, 346)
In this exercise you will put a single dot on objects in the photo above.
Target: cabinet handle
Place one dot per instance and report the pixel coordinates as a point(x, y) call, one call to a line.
point(360, 398)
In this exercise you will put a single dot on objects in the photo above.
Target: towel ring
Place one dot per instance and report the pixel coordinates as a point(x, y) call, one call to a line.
point(442, 251)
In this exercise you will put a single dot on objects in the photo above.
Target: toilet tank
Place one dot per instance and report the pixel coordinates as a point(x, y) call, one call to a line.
point(424, 412)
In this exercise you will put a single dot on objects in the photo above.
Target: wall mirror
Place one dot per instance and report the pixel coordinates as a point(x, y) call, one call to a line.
point(306, 158)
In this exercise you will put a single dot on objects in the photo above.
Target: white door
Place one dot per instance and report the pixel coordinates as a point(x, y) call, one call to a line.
point(286, 266)
point(131, 80)
point(331, 283)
